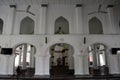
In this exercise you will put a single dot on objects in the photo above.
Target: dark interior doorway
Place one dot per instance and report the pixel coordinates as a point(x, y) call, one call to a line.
point(61, 60)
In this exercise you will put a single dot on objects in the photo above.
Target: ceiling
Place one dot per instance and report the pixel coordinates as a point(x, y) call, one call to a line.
point(32, 2)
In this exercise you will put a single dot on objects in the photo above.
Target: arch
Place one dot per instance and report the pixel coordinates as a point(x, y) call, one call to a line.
point(95, 26)
point(61, 57)
point(1, 26)
point(27, 26)
point(61, 26)
point(25, 57)
point(18, 44)
point(98, 59)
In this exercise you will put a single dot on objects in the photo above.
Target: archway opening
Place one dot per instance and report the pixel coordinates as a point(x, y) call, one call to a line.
point(95, 26)
point(27, 26)
point(97, 59)
point(61, 60)
point(61, 26)
point(25, 59)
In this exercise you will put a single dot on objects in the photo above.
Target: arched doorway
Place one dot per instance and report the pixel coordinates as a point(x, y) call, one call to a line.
point(61, 60)
point(97, 59)
point(24, 57)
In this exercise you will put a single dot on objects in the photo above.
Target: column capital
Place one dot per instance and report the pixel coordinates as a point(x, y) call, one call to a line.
point(110, 6)
point(44, 5)
point(12, 6)
point(79, 5)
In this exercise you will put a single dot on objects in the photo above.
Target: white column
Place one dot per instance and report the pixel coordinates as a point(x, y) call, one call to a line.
point(78, 19)
point(46, 66)
point(39, 65)
point(78, 64)
point(111, 25)
point(10, 21)
point(32, 58)
point(42, 20)
point(11, 67)
point(118, 62)
point(86, 66)
point(3, 64)
point(24, 56)
point(70, 58)
point(20, 56)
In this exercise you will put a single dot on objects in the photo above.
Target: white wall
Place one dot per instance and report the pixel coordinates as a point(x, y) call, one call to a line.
point(116, 11)
point(55, 11)
point(42, 54)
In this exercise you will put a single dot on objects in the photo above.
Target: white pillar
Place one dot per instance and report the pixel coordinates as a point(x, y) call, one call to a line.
point(3, 64)
point(78, 64)
point(86, 66)
point(46, 66)
point(118, 62)
point(10, 21)
point(42, 20)
point(24, 56)
point(20, 56)
point(39, 65)
point(78, 19)
point(11, 63)
point(111, 20)
point(32, 58)
point(70, 58)
point(7, 64)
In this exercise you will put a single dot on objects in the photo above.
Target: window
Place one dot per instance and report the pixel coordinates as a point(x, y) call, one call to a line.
point(27, 26)
point(61, 26)
point(95, 26)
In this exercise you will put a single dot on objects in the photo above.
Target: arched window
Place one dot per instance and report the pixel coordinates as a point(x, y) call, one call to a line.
point(95, 26)
point(27, 26)
point(61, 26)
point(1, 26)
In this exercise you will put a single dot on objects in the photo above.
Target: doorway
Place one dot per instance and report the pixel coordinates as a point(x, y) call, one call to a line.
point(24, 58)
point(61, 60)
point(97, 59)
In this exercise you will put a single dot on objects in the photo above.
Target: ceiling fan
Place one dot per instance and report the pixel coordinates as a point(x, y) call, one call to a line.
point(98, 11)
point(27, 10)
